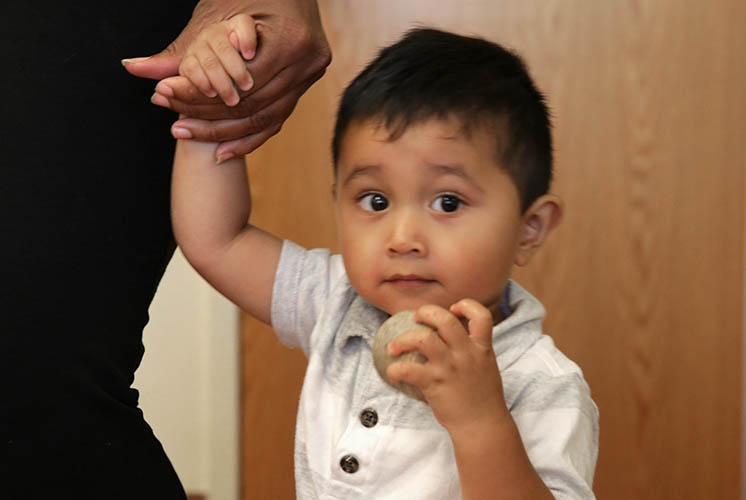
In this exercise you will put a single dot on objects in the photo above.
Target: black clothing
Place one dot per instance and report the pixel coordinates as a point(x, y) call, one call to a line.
point(85, 238)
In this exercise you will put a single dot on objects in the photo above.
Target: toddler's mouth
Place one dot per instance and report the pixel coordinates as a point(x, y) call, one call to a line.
point(408, 280)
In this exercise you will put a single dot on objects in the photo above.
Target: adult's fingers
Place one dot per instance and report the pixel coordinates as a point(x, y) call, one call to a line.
point(238, 136)
point(227, 130)
point(244, 145)
point(232, 133)
point(183, 97)
point(276, 113)
point(247, 144)
point(180, 95)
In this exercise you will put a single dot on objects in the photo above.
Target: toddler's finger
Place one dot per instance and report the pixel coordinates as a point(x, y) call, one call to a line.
point(426, 342)
point(479, 320)
point(233, 64)
point(219, 78)
point(244, 28)
point(446, 323)
point(191, 68)
point(417, 374)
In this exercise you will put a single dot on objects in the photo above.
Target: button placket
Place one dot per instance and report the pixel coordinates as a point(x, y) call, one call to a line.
point(357, 444)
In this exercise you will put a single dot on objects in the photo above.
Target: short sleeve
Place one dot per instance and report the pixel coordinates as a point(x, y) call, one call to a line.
point(303, 283)
point(558, 423)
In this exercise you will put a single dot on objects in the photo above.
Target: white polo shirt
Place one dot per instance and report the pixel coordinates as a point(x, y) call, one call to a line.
point(357, 438)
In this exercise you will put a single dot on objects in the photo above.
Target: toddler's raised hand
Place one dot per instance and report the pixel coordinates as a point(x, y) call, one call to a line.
point(217, 58)
point(460, 380)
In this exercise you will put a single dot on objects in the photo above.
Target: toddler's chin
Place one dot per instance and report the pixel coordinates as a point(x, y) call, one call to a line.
point(395, 307)
point(391, 308)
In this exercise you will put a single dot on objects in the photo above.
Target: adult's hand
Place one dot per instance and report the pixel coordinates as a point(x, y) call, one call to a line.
point(293, 53)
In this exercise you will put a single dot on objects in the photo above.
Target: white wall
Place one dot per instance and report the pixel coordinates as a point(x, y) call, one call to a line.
point(189, 381)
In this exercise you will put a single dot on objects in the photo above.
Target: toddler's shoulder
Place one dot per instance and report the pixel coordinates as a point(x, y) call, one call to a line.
point(544, 357)
point(309, 268)
point(309, 286)
point(545, 379)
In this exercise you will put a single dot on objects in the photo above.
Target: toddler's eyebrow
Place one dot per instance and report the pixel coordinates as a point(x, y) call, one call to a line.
point(360, 171)
point(455, 170)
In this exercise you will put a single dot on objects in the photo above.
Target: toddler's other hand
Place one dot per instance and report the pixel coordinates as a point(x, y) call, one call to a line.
point(460, 380)
point(217, 58)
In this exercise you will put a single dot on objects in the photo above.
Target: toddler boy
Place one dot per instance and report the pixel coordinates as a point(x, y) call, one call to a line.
point(442, 157)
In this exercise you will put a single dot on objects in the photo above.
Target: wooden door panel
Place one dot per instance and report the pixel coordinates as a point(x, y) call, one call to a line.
point(643, 280)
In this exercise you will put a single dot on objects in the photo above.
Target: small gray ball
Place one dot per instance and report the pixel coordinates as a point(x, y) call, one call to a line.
point(396, 325)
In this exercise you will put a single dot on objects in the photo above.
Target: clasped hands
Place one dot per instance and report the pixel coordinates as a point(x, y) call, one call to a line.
point(291, 54)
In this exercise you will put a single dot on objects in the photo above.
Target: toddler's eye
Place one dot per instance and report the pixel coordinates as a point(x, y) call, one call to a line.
point(446, 203)
point(373, 202)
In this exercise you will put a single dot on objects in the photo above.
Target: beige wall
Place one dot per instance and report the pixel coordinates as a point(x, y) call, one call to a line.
point(188, 381)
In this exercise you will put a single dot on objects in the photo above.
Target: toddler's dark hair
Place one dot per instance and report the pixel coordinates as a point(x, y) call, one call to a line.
point(433, 74)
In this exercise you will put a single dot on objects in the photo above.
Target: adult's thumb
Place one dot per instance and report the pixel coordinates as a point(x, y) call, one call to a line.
point(156, 67)
point(166, 63)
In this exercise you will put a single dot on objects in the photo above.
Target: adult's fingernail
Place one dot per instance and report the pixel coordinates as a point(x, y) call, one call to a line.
point(164, 89)
point(224, 157)
point(133, 60)
point(181, 133)
point(159, 100)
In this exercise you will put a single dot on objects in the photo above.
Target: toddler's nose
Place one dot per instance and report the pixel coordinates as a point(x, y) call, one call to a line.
point(407, 236)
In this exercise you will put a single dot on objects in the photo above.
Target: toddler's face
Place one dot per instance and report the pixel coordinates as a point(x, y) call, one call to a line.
point(429, 218)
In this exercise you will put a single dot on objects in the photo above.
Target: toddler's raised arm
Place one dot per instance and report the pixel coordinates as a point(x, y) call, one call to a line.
point(210, 208)
point(211, 203)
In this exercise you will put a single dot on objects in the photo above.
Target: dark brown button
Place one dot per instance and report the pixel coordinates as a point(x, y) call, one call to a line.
point(349, 464)
point(369, 417)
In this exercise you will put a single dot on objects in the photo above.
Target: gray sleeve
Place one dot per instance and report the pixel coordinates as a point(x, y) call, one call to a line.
point(303, 282)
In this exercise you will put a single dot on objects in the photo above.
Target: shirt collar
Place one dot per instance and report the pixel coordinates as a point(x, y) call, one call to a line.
point(361, 320)
point(521, 327)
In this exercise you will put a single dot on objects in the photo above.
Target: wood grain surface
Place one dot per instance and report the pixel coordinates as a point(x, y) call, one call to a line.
point(643, 281)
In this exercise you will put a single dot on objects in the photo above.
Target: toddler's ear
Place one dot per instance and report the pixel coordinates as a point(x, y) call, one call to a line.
point(538, 221)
